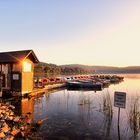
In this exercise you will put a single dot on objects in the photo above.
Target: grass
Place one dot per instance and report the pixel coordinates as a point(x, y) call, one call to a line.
point(85, 100)
point(134, 116)
point(107, 106)
point(107, 110)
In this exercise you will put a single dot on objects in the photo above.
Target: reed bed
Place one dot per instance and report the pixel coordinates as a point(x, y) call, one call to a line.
point(107, 105)
point(107, 110)
point(134, 116)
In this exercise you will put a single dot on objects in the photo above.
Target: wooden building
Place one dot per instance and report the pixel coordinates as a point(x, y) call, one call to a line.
point(17, 72)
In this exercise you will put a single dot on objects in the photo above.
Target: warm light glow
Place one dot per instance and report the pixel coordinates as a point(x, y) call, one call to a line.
point(104, 33)
point(26, 66)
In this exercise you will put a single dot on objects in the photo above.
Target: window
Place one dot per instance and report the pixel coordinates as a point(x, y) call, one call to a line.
point(27, 66)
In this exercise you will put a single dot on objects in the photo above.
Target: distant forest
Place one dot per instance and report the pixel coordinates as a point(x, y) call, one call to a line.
point(49, 70)
point(108, 69)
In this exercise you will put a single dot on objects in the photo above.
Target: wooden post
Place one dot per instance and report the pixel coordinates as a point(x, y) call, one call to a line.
point(6, 74)
point(119, 101)
point(0, 80)
point(119, 116)
point(11, 78)
point(119, 124)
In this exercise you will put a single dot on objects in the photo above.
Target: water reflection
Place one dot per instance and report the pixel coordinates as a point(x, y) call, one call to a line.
point(22, 106)
point(86, 114)
point(107, 110)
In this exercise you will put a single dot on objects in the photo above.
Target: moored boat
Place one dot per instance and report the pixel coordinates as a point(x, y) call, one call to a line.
point(77, 85)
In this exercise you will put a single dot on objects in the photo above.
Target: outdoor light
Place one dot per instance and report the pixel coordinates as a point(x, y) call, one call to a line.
point(26, 66)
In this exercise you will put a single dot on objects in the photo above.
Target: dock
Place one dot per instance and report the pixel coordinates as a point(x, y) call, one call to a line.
point(38, 91)
point(54, 86)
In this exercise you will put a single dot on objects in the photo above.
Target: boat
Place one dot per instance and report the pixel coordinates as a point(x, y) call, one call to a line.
point(84, 85)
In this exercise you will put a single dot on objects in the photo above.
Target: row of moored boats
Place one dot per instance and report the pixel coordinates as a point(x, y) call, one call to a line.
point(94, 83)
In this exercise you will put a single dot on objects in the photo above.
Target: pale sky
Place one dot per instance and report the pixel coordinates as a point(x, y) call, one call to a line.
point(92, 32)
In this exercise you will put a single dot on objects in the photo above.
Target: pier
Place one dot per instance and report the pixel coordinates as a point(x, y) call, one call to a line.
point(17, 76)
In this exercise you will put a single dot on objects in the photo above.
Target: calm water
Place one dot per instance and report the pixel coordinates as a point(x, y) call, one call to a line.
point(87, 115)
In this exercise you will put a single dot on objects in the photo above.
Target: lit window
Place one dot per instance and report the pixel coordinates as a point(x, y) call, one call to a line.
point(26, 66)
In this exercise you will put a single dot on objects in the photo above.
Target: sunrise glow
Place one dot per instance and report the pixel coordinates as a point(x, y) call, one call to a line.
point(75, 32)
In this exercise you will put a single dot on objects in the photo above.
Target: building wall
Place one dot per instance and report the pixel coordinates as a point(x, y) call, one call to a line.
point(17, 67)
point(5, 74)
point(27, 78)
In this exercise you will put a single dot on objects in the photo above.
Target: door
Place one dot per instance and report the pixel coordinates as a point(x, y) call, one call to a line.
point(16, 81)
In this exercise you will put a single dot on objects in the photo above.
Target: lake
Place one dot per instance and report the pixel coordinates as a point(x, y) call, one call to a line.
point(87, 115)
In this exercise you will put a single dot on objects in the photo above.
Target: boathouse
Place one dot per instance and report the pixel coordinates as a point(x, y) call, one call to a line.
point(17, 72)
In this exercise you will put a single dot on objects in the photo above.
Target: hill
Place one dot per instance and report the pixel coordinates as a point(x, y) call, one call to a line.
point(106, 69)
point(49, 70)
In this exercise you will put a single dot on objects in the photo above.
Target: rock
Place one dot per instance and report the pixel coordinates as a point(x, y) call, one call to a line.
point(5, 117)
point(11, 118)
point(15, 131)
point(11, 113)
point(2, 135)
point(16, 119)
point(3, 112)
point(15, 127)
point(9, 137)
point(0, 111)
point(29, 121)
point(5, 128)
point(7, 113)
point(22, 133)
point(12, 107)
point(39, 122)
point(22, 128)
point(19, 135)
point(3, 107)
point(1, 123)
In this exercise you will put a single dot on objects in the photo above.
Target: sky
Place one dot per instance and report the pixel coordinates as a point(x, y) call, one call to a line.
point(90, 32)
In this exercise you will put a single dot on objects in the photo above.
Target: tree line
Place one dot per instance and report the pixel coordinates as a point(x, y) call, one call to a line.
point(50, 70)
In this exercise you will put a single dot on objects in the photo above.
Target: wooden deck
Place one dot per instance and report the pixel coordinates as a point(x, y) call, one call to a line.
point(37, 91)
point(54, 86)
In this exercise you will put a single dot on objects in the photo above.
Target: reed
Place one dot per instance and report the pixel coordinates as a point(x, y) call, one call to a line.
point(85, 101)
point(107, 105)
point(134, 116)
point(107, 110)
